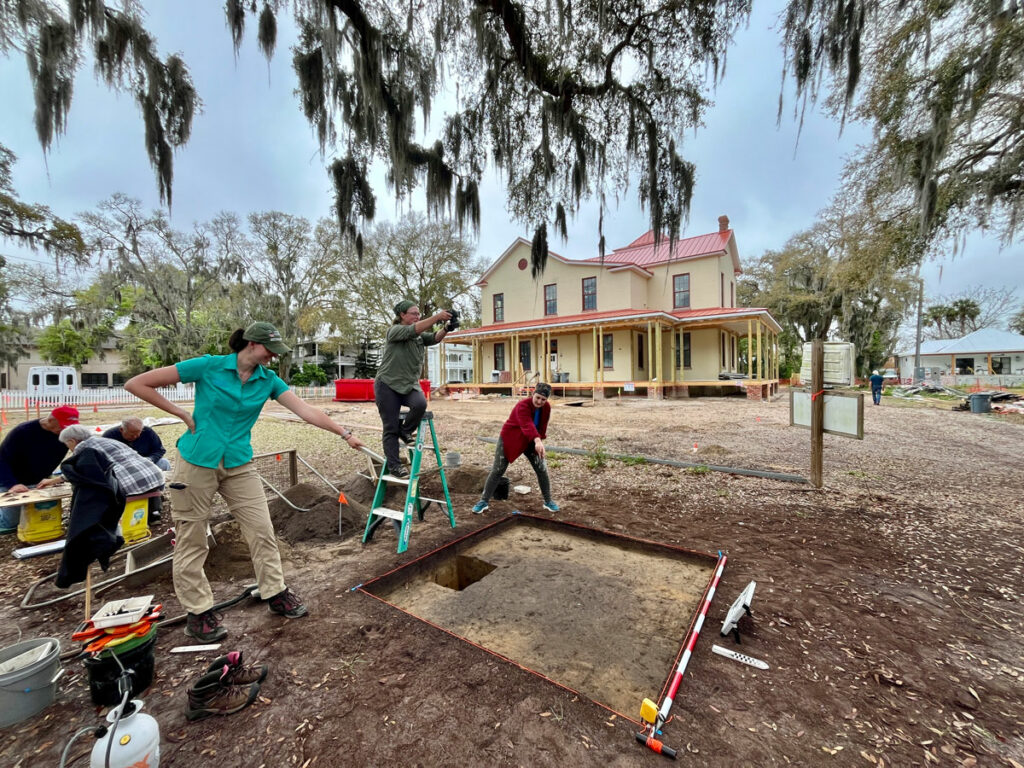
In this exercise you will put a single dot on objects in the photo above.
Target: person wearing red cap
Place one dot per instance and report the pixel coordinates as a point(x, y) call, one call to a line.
point(28, 456)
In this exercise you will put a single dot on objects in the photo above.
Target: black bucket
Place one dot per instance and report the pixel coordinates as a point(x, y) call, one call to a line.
point(104, 671)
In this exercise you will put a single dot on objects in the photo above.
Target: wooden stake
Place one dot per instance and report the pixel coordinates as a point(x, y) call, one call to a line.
point(88, 591)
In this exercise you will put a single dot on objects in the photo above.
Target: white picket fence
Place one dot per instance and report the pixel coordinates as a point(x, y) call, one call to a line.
point(14, 400)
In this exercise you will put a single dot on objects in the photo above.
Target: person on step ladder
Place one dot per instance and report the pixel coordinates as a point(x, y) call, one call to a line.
point(398, 378)
point(523, 433)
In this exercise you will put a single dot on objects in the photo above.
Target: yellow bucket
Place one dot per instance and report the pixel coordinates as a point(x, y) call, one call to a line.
point(135, 520)
point(41, 522)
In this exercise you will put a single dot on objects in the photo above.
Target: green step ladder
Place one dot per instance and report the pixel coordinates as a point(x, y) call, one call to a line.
point(402, 519)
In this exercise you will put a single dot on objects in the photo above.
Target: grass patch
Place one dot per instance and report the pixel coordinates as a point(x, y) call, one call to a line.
point(633, 461)
point(700, 469)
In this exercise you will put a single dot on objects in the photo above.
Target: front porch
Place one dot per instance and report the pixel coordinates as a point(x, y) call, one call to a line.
point(602, 390)
point(628, 354)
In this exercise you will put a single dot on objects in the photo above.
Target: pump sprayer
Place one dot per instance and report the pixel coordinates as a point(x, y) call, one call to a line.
point(131, 739)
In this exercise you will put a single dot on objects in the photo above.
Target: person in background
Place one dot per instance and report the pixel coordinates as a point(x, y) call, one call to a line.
point(103, 473)
point(877, 380)
point(215, 456)
point(135, 474)
point(141, 439)
point(398, 378)
point(524, 432)
point(28, 456)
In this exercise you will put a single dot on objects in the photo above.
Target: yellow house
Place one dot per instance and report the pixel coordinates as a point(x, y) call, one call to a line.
point(642, 320)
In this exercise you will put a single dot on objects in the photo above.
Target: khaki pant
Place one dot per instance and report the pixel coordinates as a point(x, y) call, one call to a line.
point(242, 490)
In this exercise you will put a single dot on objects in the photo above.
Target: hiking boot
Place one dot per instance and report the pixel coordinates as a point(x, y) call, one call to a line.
point(287, 604)
point(213, 695)
point(407, 437)
point(205, 627)
point(480, 507)
point(399, 473)
point(237, 672)
point(550, 506)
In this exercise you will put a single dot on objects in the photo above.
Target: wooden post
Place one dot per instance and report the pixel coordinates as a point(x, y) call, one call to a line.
point(88, 592)
point(659, 369)
point(817, 409)
point(750, 352)
point(761, 370)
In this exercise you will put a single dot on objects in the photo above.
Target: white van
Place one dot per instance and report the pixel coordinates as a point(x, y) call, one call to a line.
point(52, 380)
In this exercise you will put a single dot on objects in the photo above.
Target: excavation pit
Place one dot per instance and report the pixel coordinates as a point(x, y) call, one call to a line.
point(601, 614)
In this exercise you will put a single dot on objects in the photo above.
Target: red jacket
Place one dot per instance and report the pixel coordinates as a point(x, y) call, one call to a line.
point(519, 432)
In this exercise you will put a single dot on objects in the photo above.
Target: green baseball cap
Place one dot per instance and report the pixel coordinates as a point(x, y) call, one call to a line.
point(268, 336)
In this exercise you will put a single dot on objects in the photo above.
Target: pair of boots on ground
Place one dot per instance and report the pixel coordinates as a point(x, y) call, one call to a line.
point(228, 686)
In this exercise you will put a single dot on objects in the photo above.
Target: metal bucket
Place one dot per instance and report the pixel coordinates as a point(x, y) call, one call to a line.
point(29, 689)
point(981, 403)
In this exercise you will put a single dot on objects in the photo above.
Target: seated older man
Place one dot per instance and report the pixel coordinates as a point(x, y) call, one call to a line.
point(28, 456)
point(142, 439)
point(102, 472)
point(134, 474)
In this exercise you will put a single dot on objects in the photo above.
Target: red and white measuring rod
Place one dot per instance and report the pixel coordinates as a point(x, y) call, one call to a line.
point(666, 705)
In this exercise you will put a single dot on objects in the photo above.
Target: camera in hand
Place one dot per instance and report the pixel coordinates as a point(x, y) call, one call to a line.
point(453, 322)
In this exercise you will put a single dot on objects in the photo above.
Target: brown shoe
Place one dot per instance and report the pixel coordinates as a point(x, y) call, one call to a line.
point(205, 627)
point(238, 673)
point(212, 695)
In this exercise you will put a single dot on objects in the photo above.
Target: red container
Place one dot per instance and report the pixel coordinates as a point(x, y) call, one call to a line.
point(361, 390)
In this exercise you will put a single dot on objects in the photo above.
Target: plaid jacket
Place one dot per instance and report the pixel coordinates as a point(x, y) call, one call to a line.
point(135, 474)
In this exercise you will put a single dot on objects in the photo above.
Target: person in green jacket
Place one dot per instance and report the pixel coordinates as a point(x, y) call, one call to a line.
point(215, 456)
point(398, 378)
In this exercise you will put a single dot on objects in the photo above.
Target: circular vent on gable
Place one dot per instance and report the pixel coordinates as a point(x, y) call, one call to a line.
point(522, 264)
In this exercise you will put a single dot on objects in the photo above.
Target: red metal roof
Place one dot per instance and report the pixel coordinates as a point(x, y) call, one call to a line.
point(611, 314)
point(643, 253)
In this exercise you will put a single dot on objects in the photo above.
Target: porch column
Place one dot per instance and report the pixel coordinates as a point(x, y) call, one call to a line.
point(989, 371)
point(659, 368)
point(750, 351)
point(600, 349)
point(672, 352)
point(682, 355)
point(650, 350)
point(441, 365)
point(760, 360)
point(593, 378)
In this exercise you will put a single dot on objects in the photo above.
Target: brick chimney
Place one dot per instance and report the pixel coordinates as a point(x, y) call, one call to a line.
point(723, 223)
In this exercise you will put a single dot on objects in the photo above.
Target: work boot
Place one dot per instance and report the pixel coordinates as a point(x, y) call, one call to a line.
point(239, 673)
point(156, 507)
point(205, 627)
point(212, 694)
point(399, 472)
point(287, 604)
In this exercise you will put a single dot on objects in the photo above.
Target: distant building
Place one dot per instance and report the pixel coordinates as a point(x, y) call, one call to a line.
point(990, 351)
point(458, 364)
point(97, 372)
point(645, 317)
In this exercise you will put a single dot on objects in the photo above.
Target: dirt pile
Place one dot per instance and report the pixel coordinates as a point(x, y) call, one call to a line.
point(320, 514)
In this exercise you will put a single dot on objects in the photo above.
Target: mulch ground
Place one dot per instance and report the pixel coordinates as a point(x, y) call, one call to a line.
point(888, 604)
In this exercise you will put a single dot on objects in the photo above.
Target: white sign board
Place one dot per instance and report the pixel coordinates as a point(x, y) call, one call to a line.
point(844, 412)
point(840, 359)
point(629, 386)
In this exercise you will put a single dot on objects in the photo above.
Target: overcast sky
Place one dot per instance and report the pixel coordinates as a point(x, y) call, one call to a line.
point(252, 150)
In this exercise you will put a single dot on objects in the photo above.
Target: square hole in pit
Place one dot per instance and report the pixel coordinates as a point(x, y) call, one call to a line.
point(602, 614)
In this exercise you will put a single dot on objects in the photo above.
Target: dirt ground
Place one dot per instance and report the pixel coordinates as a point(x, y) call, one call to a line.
point(888, 604)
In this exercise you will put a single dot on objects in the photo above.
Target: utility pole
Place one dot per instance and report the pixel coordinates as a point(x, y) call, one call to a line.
point(918, 377)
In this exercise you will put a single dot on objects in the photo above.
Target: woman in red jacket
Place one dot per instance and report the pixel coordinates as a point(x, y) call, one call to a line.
point(524, 432)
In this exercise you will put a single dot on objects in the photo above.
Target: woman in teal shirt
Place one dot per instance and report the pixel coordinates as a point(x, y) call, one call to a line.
point(215, 456)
